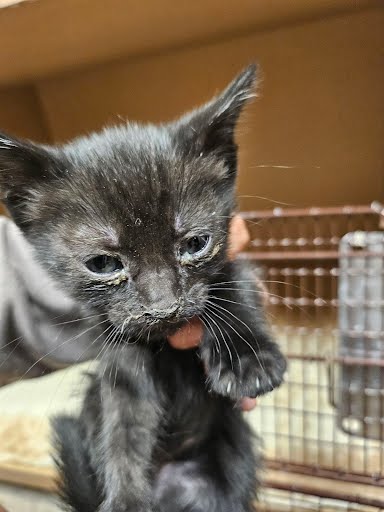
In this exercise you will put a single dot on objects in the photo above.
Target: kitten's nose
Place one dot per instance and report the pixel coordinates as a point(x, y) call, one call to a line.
point(164, 311)
point(158, 289)
point(163, 306)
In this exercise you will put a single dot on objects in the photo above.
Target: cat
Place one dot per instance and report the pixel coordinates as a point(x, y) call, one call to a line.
point(133, 222)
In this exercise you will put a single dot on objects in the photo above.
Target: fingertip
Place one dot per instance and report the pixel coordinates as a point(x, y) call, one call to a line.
point(239, 236)
point(248, 404)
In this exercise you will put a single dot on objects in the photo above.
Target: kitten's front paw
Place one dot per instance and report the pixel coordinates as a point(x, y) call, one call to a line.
point(250, 376)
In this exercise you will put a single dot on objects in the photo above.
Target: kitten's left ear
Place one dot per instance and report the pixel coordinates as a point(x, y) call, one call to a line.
point(211, 128)
point(23, 167)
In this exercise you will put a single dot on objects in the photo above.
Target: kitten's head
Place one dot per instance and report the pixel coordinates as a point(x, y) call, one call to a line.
point(133, 220)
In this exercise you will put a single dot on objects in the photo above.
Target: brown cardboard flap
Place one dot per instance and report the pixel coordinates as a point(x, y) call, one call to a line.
point(42, 37)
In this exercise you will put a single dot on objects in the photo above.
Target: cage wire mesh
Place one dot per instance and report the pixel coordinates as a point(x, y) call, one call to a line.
point(277, 500)
point(323, 269)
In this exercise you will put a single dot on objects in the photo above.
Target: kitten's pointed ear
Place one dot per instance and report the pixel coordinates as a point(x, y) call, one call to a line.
point(211, 128)
point(23, 166)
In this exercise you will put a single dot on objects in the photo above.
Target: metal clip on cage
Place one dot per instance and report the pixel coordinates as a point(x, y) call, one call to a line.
point(324, 429)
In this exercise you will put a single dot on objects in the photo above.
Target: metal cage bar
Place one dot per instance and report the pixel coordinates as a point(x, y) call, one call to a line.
point(328, 419)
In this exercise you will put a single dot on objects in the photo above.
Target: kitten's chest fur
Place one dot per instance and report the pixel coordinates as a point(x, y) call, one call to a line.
point(191, 411)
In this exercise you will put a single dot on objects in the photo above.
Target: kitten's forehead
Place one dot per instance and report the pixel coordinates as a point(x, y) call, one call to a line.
point(135, 185)
point(142, 173)
point(142, 151)
point(138, 144)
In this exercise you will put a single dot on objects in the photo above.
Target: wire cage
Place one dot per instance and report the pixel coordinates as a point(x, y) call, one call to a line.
point(323, 430)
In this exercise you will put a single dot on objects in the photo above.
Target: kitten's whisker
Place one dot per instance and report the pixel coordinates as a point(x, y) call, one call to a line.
point(217, 343)
point(235, 302)
point(240, 336)
point(237, 290)
point(220, 331)
point(79, 319)
point(100, 351)
point(52, 325)
point(209, 307)
point(236, 281)
point(59, 346)
point(227, 311)
point(104, 348)
point(20, 338)
point(149, 333)
point(267, 281)
point(10, 342)
point(105, 352)
point(266, 292)
point(62, 344)
point(125, 322)
point(117, 361)
point(204, 320)
point(115, 343)
point(255, 222)
point(10, 355)
point(65, 372)
point(267, 198)
point(269, 294)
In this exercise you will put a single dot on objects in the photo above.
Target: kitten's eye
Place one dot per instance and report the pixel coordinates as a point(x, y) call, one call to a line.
point(195, 245)
point(104, 264)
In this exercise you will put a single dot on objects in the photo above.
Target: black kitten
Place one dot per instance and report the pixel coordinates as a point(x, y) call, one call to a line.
point(133, 222)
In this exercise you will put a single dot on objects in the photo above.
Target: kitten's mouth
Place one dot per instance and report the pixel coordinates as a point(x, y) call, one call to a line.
point(169, 327)
point(172, 328)
point(164, 323)
point(160, 330)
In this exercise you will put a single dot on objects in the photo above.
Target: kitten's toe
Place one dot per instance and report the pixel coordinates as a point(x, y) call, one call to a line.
point(264, 375)
point(226, 384)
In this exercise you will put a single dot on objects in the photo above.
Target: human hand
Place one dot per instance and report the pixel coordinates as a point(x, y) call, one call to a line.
point(189, 336)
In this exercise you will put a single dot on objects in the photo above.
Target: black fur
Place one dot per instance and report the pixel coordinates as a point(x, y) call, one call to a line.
point(159, 429)
point(78, 486)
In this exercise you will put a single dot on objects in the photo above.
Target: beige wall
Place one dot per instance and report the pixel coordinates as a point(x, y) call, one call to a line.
point(20, 113)
point(320, 111)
